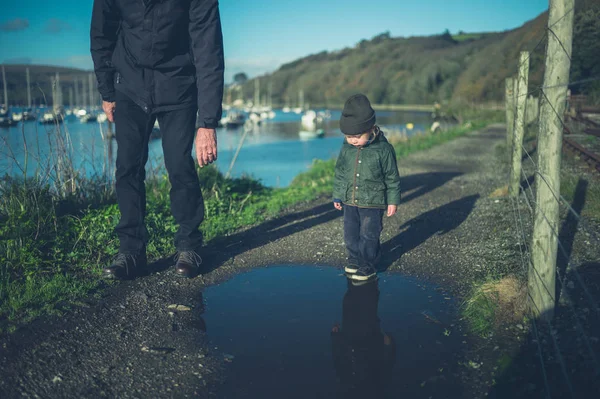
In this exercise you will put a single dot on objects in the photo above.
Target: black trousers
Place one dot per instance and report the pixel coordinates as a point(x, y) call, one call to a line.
point(133, 127)
point(362, 230)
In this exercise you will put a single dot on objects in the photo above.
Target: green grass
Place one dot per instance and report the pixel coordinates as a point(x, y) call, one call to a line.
point(568, 188)
point(53, 247)
point(38, 295)
point(468, 36)
point(569, 178)
point(53, 250)
point(494, 302)
point(425, 141)
point(479, 310)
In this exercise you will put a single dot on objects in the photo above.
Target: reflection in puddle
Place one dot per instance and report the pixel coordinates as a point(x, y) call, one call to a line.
point(363, 355)
point(309, 332)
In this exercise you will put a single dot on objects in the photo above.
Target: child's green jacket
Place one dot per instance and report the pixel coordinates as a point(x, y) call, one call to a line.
point(367, 177)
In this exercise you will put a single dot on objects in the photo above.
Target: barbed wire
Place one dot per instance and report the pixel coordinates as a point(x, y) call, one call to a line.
point(560, 244)
point(560, 119)
point(537, 215)
point(534, 324)
point(568, 84)
point(562, 282)
point(549, 28)
point(532, 51)
point(556, 195)
point(524, 265)
point(561, 18)
point(579, 326)
point(561, 247)
point(561, 44)
point(560, 278)
point(559, 198)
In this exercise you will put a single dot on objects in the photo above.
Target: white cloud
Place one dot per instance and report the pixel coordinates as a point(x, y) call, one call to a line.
point(14, 25)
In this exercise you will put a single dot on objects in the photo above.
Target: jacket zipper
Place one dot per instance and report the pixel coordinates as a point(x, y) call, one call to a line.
point(355, 175)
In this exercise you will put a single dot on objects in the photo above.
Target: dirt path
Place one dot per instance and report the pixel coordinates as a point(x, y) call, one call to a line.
point(128, 343)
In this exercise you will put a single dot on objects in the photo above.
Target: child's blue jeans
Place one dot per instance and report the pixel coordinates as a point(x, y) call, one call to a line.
point(362, 229)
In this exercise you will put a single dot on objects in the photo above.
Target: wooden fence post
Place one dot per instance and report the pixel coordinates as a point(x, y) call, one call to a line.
point(542, 271)
point(519, 129)
point(508, 98)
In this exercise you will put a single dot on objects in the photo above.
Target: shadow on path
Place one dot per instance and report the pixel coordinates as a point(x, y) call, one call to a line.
point(423, 183)
point(220, 250)
point(419, 229)
point(568, 231)
point(563, 365)
point(561, 358)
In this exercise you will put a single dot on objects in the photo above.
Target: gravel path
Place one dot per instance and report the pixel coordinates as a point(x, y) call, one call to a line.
point(127, 342)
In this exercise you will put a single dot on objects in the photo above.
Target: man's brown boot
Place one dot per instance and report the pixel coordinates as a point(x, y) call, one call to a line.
point(187, 264)
point(125, 266)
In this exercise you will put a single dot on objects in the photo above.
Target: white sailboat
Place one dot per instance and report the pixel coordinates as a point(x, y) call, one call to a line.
point(298, 110)
point(28, 114)
point(17, 116)
point(55, 114)
point(309, 120)
point(311, 134)
point(5, 118)
point(286, 109)
point(233, 119)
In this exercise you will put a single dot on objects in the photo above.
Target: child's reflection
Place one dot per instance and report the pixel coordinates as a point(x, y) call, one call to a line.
point(363, 355)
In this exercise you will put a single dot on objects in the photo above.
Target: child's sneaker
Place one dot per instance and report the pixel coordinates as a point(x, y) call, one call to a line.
point(364, 273)
point(358, 283)
point(352, 266)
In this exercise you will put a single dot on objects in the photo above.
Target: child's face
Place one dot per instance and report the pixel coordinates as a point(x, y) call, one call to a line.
point(358, 140)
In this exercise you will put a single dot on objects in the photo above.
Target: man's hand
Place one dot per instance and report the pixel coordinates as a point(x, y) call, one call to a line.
point(206, 146)
point(392, 209)
point(109, 110)
point(338, 205)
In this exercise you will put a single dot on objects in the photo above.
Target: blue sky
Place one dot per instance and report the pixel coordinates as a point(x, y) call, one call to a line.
point(260, 35)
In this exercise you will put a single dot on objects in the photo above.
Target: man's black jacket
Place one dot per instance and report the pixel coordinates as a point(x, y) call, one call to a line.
point(163, 54)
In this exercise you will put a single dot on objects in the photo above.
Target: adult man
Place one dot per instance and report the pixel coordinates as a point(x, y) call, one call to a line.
point(159, 59)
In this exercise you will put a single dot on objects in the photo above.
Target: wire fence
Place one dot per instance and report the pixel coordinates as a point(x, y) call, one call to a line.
point(567, 344)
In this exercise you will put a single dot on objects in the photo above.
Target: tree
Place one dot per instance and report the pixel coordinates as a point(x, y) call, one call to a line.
point(381, 37)
point(586, 52)
point(240, 78)
point(447, 36)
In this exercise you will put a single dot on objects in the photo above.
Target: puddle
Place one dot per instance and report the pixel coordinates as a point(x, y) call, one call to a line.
point(275, 327)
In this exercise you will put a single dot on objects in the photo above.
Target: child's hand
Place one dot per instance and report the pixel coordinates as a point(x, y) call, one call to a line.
point(338, 205)
point(392, 209)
